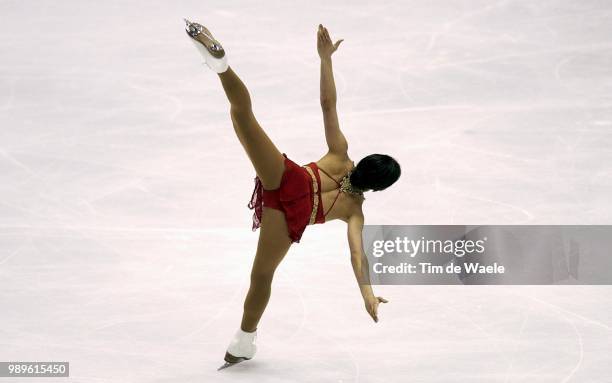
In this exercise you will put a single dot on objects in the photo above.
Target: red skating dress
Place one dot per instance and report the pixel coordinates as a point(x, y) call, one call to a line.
point(298, 196)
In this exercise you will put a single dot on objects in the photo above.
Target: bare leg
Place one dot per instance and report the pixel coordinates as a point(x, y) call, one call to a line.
point(265, 157)
point(274, 242)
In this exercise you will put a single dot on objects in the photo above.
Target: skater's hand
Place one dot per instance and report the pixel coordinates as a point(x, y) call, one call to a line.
point(371, 305)
point(325, 47)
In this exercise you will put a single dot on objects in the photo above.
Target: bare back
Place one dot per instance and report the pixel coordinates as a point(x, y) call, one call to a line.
point(346, 204)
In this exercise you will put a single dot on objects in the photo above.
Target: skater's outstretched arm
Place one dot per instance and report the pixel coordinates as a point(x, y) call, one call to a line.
point(336, 141)
point(360, 265)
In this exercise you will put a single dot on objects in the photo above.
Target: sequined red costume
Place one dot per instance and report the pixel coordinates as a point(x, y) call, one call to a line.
point(298, 196)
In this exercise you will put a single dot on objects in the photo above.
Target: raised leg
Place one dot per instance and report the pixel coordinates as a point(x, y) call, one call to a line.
point(265, 157)
point(274, 242)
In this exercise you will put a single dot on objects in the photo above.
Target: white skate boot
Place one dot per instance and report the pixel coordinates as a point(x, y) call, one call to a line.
point(241, 348)
point(209, 48)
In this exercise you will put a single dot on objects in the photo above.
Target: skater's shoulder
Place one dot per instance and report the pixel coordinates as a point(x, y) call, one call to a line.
point(335, 163)
point(354, 210)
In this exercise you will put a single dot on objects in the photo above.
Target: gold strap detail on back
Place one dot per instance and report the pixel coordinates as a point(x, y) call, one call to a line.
point(347, 187)
point(315, 199)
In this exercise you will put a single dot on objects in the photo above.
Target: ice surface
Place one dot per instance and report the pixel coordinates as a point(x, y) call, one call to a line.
point(124, 234)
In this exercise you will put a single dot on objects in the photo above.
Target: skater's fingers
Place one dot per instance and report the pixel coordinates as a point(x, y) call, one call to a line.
point(326, 34)
point(373, 315)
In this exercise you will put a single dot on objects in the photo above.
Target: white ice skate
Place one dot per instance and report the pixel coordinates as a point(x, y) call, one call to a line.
point(209, 48)
point(241, 348)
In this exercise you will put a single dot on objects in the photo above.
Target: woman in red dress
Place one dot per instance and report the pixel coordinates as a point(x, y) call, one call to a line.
point(288, 197)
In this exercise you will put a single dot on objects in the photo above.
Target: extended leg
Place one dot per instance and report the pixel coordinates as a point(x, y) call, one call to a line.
point(265, 157)
point(274, 242)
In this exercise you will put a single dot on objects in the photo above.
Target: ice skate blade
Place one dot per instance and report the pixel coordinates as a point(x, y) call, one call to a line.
point(227, 365)
point(231, 360)
point(212, 51)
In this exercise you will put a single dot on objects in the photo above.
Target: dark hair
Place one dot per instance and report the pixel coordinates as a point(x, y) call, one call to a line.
point(375, 172)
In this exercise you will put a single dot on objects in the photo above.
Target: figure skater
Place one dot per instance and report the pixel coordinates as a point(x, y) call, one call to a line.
point(289, 197)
